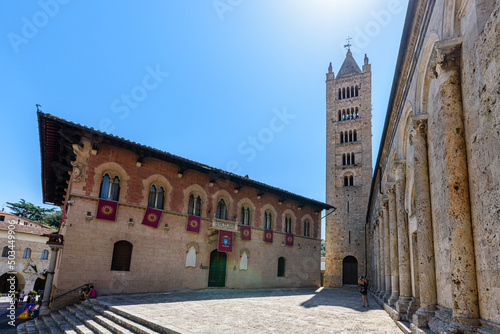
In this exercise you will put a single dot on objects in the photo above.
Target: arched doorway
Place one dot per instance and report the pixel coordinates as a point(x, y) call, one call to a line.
point(5, 285)
point(350, 270)
point(217, 272)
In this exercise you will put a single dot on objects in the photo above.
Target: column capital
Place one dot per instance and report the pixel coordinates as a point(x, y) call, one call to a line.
point(446, 55)
point(399, 164)
point(390, 188)
point(419, 125)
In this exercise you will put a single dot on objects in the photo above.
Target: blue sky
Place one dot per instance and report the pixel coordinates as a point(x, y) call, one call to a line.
point(235, 84)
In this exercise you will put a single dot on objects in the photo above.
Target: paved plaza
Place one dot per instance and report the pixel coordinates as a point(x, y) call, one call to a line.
point(305, 310)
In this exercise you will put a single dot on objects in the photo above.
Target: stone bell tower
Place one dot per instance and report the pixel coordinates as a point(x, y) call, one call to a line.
point(348, 169)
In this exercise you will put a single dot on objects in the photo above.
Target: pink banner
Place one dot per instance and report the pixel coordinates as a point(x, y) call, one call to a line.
point(289, 239)
point(152, 217)
point(193, 224)
point(225, 241)
point(246, 232)
point(106, 209)
point(268, 236)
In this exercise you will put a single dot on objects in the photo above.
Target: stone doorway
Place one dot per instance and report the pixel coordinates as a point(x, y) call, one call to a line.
point(5, 285)
point(217, 273)
point(350, 270)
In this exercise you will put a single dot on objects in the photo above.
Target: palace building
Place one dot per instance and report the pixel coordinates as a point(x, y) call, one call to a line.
point(138, 219)
point(434, 210)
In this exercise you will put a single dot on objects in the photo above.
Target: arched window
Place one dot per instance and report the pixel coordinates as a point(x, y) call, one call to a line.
point(340, 115)
point(346, 137)
point(347, 116)
point(45, 255)
point(352, 158)
point(307, 226)
point(340, 94)
point(156, 196)
point(194, 205)
point(281, 267)
point(110, 187)
point(356, 90)
point(343, 159)
point(348, 158)
point(351, 180)
point(346, 181)
point(341, 137)
point(350, 136)
point(343, 93)
point(245, 215)
point(288, 224)
point(355, 135)
point(26, 253)
point(268, 220)
point(352, 91)
point(5, 251)
point(352, 113)
point(348, 93)
point(221, 210)
point(343, 115)
point(122, 255)
point(357, 112)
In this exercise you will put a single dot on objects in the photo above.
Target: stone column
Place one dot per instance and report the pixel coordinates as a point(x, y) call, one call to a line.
point(403, 240)
point(379, 266)
point(381, 254)
point(387, 251)
point(44, 309)
point(393, 245)
point(375, 281)
point(426, 260)
point(456, 183)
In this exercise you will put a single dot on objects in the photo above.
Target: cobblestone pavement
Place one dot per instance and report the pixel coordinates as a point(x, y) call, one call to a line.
point(304, 310)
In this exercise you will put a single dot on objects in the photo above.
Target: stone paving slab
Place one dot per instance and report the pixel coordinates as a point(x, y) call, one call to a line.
point(305, 310)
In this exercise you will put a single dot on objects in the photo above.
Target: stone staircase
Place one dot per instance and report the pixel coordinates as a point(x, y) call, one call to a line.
point(91, 317)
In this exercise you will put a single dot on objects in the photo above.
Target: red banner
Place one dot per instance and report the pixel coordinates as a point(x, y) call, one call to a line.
point(106, 209)
point(225, 241)
point(268, 236)
point(152, 217)
point(246, 232)
point(289, 239)
point(193, 224)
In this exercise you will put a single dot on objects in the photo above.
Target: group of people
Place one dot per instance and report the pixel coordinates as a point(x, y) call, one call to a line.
point(31, 298)
point(87, 292)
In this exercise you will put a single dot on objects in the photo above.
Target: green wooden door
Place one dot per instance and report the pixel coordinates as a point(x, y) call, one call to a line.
point(217, 273)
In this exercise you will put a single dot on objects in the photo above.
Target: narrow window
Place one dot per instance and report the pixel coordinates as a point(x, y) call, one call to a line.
point(352, 91)
point(340, 94)
point(115, 189)
point(288, 224)
point(349, 236)
point(343, 160)
point(346, 137)
point(105, 187)
point(352, 113)
point(347, 206)
point(152, 197)
point(352, 159)
point(355, 135)
point(343, 93)
point(5, 251)
point(160, 197)
point(245, 216)
point(343, 115)
point(122, 255)
point(45, 255)
point(346, 181)
point(26, 253)
point(281, 267)
point(357, 112)
point(356, 90)
point(221, 210)
point(351, 180)
point(348, 93)
point(350, 136)
point(156, 196)
point(194, 205)
point(268, 218)
point(348, 158)
point(340, 115)
point(307, 226)
point(341, 137)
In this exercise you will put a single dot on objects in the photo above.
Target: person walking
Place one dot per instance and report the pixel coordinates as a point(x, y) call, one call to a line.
point(363, 288)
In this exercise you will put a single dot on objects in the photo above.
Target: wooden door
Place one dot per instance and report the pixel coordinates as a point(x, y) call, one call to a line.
point(217, 273)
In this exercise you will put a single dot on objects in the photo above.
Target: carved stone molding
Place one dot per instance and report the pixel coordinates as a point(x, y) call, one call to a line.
point(78, 171)
point(446, 55)
point(193, 244)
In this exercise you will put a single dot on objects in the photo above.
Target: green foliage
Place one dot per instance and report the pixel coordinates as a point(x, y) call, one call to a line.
point(322, 248)
point(31, 211)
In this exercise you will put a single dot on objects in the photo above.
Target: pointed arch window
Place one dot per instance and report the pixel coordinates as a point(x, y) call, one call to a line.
point(268, 220)
point(307, 226)
point(156, 197)
point(221, 210)
point(194, 205)
point(288, 224)
point(245, 215)
point(26, 253)
point(110, 187)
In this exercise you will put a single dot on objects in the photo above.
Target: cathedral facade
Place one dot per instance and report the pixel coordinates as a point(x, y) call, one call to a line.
point(433, 212)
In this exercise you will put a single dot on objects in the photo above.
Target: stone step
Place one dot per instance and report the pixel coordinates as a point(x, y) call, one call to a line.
point(65, 326)
point(30, 327)
point(77, 325)
point(100, 318)
point(21, 329)
point(40, 326)
point(89, 321)
point(52, 325)
point(129, 321)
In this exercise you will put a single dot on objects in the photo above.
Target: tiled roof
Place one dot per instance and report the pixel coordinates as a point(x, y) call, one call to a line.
point(19, 228)
point(348, 66)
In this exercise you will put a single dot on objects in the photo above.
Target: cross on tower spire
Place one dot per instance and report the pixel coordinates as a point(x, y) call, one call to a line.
point(348, 45)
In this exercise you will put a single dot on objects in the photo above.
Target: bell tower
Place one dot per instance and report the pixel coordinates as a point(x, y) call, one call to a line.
point(348, 169)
